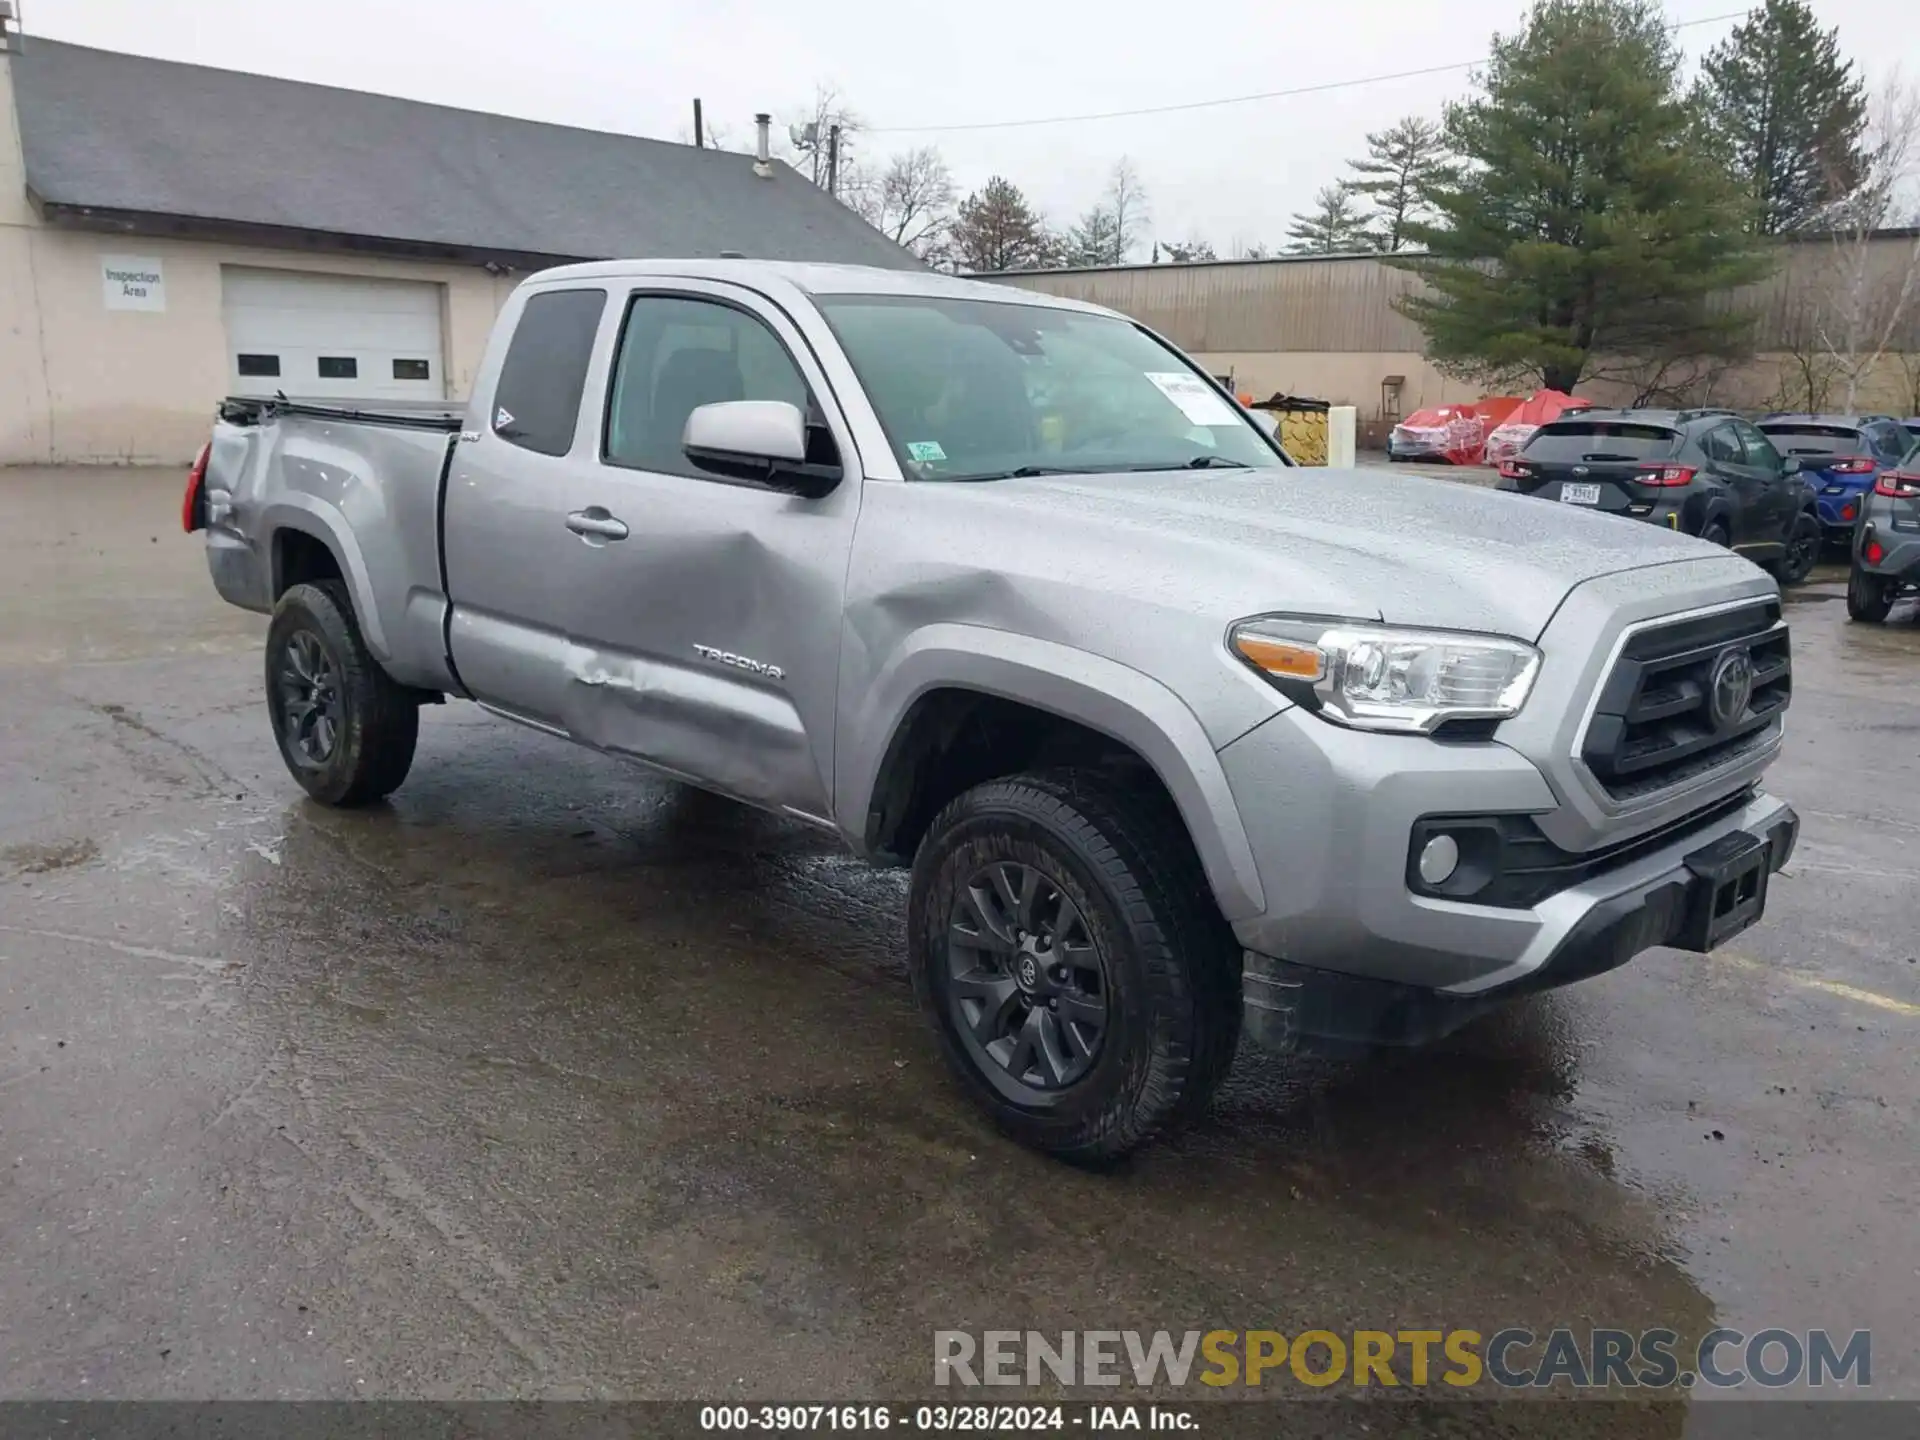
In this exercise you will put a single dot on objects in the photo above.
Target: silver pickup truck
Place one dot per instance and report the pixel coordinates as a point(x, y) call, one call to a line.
point(1181, 742)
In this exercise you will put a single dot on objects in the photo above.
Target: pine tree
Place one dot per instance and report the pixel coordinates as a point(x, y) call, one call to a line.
point(1335, 226)
point(1785, 112)
point(1580, 233)
point(1403, 163)
point(997, 229)
point(1094, 241)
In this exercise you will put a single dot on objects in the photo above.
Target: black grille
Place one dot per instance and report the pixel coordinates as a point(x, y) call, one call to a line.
point(1652, 728)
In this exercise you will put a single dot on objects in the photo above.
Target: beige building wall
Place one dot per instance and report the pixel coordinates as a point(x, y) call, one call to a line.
point(1328, 327)
point(83, 384)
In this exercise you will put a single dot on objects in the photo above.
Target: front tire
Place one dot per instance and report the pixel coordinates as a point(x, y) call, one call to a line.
point(1869, 597)
point(1804, 540)
point(1063, 943)
point(346, 731)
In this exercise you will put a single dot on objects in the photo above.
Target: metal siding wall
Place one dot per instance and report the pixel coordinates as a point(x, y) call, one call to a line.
point(1346, 305)
point(1282, 305)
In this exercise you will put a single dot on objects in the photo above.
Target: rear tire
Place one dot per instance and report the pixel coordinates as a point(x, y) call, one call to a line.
point(1066, 865)
point(346, 731)
point(1869, 597)
point(1803, 551)
point(1717, 534)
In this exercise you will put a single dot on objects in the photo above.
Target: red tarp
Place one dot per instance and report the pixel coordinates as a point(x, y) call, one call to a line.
point(1484, 432)
point(1457, 433)
point(1505, 439)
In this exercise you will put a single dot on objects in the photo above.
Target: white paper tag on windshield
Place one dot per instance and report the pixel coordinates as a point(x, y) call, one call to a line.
point(1199, 404)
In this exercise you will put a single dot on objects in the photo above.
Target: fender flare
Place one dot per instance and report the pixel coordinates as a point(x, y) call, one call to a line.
point(1091, 690)
point(311, 516)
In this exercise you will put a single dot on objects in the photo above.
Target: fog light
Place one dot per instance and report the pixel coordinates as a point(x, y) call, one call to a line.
point(1439, 858)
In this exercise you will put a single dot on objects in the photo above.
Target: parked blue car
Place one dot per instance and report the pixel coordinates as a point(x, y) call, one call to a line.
point(1841, 456)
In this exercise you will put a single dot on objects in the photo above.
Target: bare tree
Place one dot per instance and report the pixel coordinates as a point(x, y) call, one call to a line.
point(1864, 301)
point(911, 202)
point(1909, 362)
point(1126, 204)
point(1251, 250)
point(1194, 248)
point(807, 143)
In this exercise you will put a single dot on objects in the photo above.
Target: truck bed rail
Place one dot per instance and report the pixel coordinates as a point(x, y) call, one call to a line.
point(440, 415)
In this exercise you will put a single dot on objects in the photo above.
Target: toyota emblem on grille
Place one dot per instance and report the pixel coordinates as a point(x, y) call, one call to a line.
point(1580, 470)
point(1730, 688)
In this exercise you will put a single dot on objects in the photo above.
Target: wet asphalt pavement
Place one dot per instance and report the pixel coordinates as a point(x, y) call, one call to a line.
point(552, 1079)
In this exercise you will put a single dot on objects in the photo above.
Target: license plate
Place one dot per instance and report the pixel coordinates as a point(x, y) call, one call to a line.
point(1580, 494)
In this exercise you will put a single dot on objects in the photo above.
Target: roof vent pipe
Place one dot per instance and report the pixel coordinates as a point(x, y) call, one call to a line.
point(763, 155)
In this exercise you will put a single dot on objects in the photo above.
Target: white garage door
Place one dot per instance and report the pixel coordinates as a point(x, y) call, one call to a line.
point(332, 336)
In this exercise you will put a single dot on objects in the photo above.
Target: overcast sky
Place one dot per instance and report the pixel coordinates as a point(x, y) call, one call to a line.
point(1232, 173)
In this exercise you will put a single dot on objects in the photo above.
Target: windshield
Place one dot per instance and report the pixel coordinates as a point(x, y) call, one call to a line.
point(1815, 439)
point(1600, 440)
point(984, 390)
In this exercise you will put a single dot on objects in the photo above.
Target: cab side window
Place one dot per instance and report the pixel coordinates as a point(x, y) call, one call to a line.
point(677, 354)
point(536, 404)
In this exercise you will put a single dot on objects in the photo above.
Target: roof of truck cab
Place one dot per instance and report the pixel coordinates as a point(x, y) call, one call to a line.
point(131, 143)
point(816, 279)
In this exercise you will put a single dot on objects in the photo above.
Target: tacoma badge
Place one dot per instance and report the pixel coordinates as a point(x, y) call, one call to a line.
point(739, 662)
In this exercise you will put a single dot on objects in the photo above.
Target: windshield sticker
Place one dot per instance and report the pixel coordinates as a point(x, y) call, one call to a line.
point(925, 451)
point(1199, 404)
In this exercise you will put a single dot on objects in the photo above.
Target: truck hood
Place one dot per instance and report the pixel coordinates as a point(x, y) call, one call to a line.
point(1363, 544)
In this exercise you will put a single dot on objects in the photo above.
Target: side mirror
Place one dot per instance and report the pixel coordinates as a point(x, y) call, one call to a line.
point(763, 441)
point(1790, 465)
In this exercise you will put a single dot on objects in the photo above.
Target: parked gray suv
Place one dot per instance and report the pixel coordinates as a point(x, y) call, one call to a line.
point(1886, 542)
point(1181, 742)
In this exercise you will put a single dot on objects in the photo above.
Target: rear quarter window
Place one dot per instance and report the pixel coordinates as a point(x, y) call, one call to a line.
point(536, 404)
point(1598, 440)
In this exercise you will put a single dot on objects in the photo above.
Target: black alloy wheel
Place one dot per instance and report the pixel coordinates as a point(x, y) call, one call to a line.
point(345, 728)
point(1026, 983)
point(310, 699)
point(1063, 942)
point(1803, 550)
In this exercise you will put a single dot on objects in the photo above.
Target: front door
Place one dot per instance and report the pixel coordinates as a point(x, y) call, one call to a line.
point(706, 640)
point(1775, 493)
point(1727, 457)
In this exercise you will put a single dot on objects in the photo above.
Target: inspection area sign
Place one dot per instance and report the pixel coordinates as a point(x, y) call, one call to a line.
point(133, 282)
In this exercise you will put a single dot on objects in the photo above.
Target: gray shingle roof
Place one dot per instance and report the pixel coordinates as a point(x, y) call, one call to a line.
point(112, 132)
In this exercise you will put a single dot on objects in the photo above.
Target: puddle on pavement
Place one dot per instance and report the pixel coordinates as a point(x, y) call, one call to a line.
point(637, 1023)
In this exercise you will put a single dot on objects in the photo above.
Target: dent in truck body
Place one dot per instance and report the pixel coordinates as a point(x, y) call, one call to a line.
point(742, 738)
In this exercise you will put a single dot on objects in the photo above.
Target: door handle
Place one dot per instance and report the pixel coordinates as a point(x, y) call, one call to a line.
point(594, 523)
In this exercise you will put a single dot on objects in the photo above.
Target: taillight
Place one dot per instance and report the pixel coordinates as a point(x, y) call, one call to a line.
point(1664, 475)
point(1849, 465)
point(1514, 470)
point(193, 505)
point(1899, 484)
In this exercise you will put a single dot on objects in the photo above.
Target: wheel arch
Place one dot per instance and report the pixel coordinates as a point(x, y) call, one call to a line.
point(888, 766)
point(294, 526)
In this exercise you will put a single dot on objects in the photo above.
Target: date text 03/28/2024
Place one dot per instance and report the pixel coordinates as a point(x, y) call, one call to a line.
point(978, 1419)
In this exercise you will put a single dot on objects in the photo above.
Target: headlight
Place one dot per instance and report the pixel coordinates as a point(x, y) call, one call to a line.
point(1379, 677)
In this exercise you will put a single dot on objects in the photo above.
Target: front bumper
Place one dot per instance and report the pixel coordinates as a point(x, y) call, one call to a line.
point(1693, 894)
